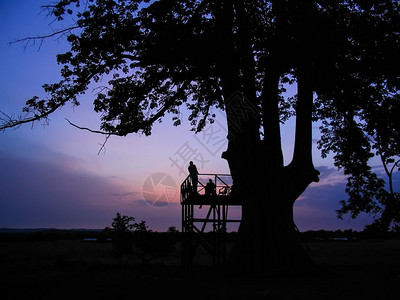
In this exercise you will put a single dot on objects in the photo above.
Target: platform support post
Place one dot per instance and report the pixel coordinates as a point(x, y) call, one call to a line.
point(196, 231)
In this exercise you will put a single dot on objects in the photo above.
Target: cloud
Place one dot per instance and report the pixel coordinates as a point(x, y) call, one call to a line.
point(43, 188)
point(54, 192)
point(121, 194)
point(330, 176)
point(316, 207)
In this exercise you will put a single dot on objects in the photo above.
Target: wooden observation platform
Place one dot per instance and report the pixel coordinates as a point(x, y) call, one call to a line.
point(205, 217)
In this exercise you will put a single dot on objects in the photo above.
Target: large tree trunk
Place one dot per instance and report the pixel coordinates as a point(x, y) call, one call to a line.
point(267, 236)
point(267, 239)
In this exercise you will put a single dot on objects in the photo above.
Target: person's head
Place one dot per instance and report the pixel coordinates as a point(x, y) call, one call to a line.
point(209, 180)
point(190, 163)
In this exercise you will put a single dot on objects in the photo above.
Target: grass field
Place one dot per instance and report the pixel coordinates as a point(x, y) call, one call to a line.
point(73, 269)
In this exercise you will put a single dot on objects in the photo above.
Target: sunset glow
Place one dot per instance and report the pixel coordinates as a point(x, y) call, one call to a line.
point(58, 176)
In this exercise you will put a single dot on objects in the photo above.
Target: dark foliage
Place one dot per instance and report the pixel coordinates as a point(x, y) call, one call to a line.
point(120, 233)
point(129, 237)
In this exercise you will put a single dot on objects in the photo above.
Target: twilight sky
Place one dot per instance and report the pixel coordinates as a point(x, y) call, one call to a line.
point(53, 176)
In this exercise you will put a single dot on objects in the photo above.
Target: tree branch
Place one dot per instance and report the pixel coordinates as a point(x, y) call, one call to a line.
point(42, 37)
point(303, 136)
point(91, 130)
point(109, 134)
point(10, 122)
point(103, 146)
point(160, 113)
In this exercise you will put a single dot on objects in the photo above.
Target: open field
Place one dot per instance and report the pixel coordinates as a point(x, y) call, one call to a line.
point(73, 269)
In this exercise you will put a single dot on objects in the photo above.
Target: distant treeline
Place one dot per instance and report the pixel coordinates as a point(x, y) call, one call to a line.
point(98, 235)
point(48, 234)
point(347, 235)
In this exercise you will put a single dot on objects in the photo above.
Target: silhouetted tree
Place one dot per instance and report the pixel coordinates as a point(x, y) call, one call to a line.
point(365, 107)
point(130, 237)
point(121, 234)
point(172, 229)
point(235, 55)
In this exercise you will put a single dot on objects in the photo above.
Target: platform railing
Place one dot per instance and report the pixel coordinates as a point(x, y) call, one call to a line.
point(222, 183)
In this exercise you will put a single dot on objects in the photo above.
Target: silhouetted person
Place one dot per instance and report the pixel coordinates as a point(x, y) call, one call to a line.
point(210, 188)
point(193, 173)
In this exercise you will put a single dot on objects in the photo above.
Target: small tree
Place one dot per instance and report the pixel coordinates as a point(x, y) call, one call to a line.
point(129, 237)
point(172, 229)
point(121, 234)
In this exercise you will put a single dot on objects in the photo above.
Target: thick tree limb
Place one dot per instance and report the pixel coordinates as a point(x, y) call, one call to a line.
point(271, 124)
point(304, 107)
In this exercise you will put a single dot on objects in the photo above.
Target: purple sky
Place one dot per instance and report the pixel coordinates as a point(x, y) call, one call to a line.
point(52, 176)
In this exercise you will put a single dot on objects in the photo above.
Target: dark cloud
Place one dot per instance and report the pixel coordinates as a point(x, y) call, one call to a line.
point(48, 193)
point(316, 208)
point(42, 188)
point(121, 194)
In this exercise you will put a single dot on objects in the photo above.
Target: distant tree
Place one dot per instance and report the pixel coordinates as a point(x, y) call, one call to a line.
point(121, 234)
point(172, 229)
point(130, 237)
point(173, 236)
point(236, 55)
